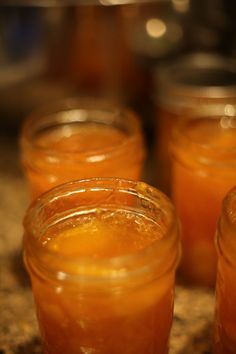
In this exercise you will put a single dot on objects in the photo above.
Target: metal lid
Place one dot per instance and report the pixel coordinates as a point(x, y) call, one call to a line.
point(199, 75)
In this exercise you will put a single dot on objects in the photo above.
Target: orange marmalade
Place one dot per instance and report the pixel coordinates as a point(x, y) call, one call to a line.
point(225, 319)
point(204, 169)
point(199, 84)
point(78, 139)
point(102, 254)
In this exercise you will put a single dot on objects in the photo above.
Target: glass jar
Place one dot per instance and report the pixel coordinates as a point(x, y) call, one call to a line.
point(203, 170)
point(102, 254)
point(199, 84)
point(225, 321)
point(80, 138)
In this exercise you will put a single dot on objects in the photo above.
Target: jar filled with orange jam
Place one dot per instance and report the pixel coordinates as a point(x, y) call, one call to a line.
point(102, 254)
point(203, 170)
point(225, 319)
point(80, 138)
point(194, 85)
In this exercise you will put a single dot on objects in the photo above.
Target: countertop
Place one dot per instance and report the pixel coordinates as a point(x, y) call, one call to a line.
point(194, 308)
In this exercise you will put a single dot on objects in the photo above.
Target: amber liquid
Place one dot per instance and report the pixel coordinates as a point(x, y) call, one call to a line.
point(198, 190)
point(81, 150)
point(103, 318)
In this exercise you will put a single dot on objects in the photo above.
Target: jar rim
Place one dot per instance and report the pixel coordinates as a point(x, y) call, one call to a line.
point(197, 75)
point(76, 108)
point(140, 190)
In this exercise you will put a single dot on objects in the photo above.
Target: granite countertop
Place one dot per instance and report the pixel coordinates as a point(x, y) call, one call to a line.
point(193, 314)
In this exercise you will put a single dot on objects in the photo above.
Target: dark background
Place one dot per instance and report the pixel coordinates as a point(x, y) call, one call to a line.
point(47, 53)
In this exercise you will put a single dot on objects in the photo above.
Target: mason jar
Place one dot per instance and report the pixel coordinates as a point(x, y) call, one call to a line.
point(102, 255)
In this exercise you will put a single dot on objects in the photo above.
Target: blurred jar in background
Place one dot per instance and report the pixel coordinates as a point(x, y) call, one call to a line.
point(203, 170)
point(109, 51)
point(154, 34)
point(95, 50)
point(225, 319)
point(96, 56)
point(195, 85)
point(80, 138)
point(108, 46)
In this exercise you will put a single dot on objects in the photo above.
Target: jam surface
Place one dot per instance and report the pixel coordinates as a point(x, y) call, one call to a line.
point(103, 234)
